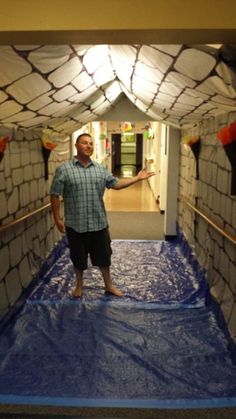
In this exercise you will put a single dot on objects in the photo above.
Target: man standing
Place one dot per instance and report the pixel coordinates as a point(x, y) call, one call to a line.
point(82, 182)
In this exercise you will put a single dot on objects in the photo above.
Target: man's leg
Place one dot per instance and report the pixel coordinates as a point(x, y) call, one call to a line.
point(78, 291)
point(78, 255)
point(109, 287)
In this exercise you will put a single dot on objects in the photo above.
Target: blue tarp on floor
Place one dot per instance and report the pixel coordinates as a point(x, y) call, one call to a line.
point(147, 271)
point(140, 351)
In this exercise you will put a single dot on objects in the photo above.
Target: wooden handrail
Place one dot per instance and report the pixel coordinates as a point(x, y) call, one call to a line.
point(213, 224)
point(24, 217)
point(181, 198)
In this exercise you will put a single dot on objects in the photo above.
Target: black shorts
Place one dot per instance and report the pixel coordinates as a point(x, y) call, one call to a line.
point(96, 244)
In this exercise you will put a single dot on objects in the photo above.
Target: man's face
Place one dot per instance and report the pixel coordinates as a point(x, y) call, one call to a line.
point(84, 146)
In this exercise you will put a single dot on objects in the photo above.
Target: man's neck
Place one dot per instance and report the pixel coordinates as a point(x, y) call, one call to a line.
point(84, 161)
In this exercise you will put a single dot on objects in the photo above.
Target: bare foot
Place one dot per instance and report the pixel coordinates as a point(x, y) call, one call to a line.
point(77, 293)
point(115, 291)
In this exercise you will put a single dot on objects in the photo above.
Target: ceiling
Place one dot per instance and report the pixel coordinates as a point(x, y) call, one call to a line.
point(62, 87)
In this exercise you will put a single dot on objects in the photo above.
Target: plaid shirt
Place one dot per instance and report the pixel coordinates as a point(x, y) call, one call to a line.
point(82, 189)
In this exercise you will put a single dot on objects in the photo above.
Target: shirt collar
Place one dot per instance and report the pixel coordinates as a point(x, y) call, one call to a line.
point(77, 162)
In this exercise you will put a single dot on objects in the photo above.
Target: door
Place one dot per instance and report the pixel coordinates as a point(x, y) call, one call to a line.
point(116, 152)
point(139, 151)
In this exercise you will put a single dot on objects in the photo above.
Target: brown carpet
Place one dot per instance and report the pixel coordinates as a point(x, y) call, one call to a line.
point(136, 225)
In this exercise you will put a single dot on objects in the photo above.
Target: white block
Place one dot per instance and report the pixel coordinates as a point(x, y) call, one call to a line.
point(41, 188)
point(24, 195)
point(37, 171)
point(13, 202)
point(28, 172)
point(9, 186)
point(24, 272)
point(33, 190)
point(17, 176)
point(2, 182)
point(232, 322)
point(4, 303)
point(15, 251)
point(15, 160)
point(3, 205)
point(13, 286)
point(4, 262)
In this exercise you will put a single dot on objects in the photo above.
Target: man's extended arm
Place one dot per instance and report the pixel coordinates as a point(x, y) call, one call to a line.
point(125, 182)
point(55, 202)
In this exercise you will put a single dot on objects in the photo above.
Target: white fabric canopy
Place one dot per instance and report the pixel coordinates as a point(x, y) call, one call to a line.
point(62, 87)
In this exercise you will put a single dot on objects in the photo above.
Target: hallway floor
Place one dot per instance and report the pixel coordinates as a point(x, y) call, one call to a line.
point(138, 197)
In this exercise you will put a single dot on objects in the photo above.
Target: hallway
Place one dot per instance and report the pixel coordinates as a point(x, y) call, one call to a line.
point(138, 197)
point(164, 350)
point(133, 213)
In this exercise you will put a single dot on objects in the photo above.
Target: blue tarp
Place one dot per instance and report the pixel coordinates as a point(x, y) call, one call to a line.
point(147, 271)
point(140, 351)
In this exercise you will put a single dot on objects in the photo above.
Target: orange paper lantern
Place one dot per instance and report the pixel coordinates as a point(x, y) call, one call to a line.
point(224, 135)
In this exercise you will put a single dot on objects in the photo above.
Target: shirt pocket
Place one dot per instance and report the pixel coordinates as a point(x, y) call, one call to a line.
point(99, 183)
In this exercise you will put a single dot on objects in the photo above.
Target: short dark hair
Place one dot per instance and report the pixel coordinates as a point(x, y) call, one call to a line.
point(85, 134)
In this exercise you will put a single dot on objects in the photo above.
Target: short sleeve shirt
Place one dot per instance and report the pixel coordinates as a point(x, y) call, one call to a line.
point(82, 189)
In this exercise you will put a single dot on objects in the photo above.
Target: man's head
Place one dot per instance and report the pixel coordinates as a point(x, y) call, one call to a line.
point(84, 146)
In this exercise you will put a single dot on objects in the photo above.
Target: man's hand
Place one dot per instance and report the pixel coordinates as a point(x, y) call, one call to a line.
point(144, 174)
point(55, 202)
point(125, 182)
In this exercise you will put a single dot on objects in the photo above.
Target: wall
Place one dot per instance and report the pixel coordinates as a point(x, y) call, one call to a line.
point(175, 19)
point(171, 206)
point(23, 188)
point(211, 193)
point(151, 157)
point(124, 110)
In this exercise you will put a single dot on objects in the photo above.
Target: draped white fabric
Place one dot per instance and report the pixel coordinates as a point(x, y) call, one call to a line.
point(62, 87)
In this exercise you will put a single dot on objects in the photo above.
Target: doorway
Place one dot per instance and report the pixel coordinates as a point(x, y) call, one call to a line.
point(127, 151)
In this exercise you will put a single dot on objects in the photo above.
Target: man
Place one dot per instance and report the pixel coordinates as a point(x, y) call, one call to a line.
point(82, 182)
